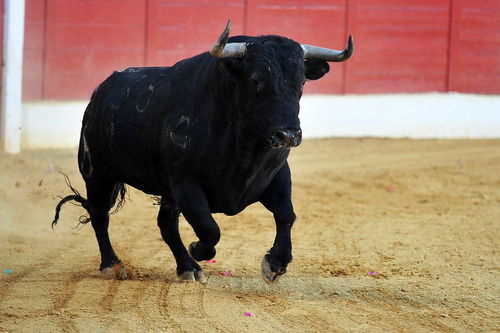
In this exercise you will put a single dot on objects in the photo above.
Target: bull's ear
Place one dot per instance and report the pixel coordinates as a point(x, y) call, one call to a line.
point(315, 69)
point(233, 66)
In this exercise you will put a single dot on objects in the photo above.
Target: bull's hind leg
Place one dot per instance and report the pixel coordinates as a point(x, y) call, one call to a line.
point(168, 222)
point(101, 197)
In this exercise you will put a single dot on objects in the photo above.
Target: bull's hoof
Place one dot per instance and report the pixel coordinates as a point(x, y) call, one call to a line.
point(200, 251)
point(118, 272)
point(191, 276)
point(270, 273)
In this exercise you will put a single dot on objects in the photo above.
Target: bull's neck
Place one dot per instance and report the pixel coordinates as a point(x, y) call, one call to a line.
point(225, 107)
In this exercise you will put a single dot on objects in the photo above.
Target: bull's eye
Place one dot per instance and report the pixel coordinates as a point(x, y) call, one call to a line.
point(256, 84)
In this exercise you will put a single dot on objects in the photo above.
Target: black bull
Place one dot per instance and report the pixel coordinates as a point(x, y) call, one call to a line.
point(210, 134)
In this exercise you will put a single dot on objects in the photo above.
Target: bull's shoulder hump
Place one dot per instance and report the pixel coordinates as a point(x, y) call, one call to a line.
point(137, 72)
point(134, 75)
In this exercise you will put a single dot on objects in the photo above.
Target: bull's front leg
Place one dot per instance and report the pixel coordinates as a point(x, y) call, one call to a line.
point(278, 200)
point(194, 206)
point(168, 222)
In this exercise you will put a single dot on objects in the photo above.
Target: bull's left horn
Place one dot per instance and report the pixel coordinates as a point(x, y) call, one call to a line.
point(316, 52)
point(223, 50)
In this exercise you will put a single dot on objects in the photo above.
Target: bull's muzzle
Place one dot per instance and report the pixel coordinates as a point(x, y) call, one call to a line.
point(286, 138)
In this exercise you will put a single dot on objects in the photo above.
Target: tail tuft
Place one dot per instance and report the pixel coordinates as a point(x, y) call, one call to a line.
point(75, 197)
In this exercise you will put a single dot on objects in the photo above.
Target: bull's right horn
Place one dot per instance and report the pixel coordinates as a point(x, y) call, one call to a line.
point(222, 49)
point(316, 52)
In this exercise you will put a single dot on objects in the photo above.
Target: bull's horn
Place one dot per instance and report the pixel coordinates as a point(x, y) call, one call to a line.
point(316, 52)
point(223, 50)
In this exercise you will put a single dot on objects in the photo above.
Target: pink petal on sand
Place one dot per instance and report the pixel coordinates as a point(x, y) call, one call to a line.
point(390, 188)
point(372, 273)
point(248, 314)
point(211, 261)
point(228, 273)
point(51, 168)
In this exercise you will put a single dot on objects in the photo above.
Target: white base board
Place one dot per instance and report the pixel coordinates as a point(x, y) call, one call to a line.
point(452, 115)
point(52, 124)
point(432, 115)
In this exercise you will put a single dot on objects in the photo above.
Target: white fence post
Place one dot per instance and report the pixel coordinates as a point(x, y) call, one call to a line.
point(13, 41)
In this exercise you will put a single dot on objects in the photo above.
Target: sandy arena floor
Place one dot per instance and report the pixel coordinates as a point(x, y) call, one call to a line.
point(391, 235)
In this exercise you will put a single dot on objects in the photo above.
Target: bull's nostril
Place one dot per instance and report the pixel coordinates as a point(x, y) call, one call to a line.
point(281, 135)
point(286, 138)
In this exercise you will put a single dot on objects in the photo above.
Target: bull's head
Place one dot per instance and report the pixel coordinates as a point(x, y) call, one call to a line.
point(270, 72)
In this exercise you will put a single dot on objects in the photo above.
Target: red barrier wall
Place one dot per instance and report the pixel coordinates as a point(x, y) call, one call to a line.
point(34, 45)
point(402, 46)
point(178, 30)
point(85, 40)
point(418, 46)
point(475, 46)
point(1, 56)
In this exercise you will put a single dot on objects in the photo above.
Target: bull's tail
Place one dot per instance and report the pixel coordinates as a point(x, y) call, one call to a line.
point(74, 197)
